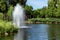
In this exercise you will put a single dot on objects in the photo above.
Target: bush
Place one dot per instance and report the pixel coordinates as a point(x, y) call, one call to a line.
point(44, 20)
point(7, 27)
point(10, 12)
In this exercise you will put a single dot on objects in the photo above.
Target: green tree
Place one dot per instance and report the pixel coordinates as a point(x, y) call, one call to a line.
point(9, 13)
point(28, 10)
point(43, 12)
point(14, 2)
point(3, 8)
point(54, 8)
point(5, 5)
point(36, 13)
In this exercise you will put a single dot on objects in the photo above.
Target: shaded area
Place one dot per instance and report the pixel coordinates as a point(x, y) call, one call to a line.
point(11, 37)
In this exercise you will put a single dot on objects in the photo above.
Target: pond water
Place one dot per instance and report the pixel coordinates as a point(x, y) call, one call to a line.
point(38, 32)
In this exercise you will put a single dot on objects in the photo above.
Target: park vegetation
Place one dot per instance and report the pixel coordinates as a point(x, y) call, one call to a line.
point(6, 9)
point(49, 14)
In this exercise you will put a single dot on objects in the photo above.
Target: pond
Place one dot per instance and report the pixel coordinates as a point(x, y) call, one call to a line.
point(38, 32)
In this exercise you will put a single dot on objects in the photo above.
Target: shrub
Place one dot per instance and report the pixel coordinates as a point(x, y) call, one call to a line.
point(7, 27)
point(44, 20)
point(10, 12)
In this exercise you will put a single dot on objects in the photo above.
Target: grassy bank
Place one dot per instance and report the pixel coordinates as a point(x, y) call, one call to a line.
point(44, 20)
point(7, 28)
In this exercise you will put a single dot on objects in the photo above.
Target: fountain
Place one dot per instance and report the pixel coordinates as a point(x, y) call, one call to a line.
point(37, 32)
point(18, 21)
point(18, 16)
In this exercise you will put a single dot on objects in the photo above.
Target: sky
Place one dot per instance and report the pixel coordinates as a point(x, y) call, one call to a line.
point(36, 4)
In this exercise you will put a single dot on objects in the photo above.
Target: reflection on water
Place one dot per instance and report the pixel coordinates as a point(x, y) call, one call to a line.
point(54, 32)
point(39, 32)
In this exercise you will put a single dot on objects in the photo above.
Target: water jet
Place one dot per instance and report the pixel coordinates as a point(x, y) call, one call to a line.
point(18, 21)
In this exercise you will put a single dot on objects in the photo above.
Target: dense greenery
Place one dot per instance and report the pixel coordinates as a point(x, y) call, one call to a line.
point(9, 13)
point(51, 11)
point(45, 12)
point(6, 4)
point(49, 14)
point(44, 20)
point(28, 10)
point(6, 9)
point(7, 27)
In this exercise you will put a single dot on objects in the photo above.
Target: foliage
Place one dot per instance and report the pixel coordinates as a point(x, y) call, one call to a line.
point(28, 10)
point(14, 2)
point(44, 20)
point(9, 13)
point(54, 8)
point(52, 11)
point(6, 4)
point(1, 16)
point(3, 6)
point(6, 27)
